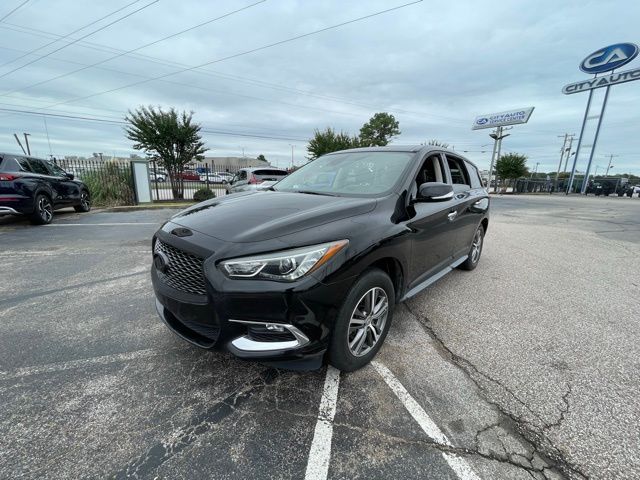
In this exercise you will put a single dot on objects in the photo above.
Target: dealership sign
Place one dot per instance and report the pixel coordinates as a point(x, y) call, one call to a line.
point(605, 60)
point(604, 81)
point(511, 117)
point(609, 58)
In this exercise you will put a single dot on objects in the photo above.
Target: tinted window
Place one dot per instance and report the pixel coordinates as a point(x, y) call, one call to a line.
point(39, 167)
point(57, 171)
point(270, 173)
point(14, 164)
point(243, 175)
point(474, 175)
point(459, 174)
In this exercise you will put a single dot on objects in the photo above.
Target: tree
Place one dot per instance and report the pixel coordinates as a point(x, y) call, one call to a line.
point(329, 141)
point(169, 136)
point(438, 143)
point(511, 166)
point(261, 157)
point(379, 130)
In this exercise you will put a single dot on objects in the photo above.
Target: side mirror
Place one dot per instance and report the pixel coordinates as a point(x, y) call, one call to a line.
point(69, 176)
point(434, 192)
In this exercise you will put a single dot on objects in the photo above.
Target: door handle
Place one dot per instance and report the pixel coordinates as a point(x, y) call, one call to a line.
point(452, 216)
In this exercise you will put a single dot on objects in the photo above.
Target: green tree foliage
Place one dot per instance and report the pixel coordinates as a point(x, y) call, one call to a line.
point(511, 166)
point(379, 130)
point(203, 194)
point(169, 136)
point(262, 157)
point(328, 141)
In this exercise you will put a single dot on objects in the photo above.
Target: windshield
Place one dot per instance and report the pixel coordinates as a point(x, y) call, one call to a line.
point(348, 174)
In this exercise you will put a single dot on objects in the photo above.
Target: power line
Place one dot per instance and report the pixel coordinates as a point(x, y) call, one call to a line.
point(84, 36)
point(210, 73)
point(122, 122)
point(62, 37)
point(127, 52)
point(14, 10)
point(246, 52)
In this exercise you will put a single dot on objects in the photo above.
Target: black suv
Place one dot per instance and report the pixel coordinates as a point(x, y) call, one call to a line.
point(314, 266)
point(35, 187)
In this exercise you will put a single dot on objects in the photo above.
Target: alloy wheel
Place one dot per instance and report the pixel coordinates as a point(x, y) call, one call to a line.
point(45, 209)
point(476, 246)
point(367, 321)
point(84, 201)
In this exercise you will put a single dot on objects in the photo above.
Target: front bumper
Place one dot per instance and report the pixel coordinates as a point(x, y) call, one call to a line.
point(282, 324)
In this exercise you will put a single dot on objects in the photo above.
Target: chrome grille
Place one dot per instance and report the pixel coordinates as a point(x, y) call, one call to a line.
point(184, 271)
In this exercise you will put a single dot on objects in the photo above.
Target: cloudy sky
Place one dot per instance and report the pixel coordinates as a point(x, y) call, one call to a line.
point(435, 65)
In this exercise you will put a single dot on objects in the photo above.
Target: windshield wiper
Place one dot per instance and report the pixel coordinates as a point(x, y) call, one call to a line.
point(309, 192)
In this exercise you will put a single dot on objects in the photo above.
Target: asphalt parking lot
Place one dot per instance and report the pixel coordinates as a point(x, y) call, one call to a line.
point(525, 368)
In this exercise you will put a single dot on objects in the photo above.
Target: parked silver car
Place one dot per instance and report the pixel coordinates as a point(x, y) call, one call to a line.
point(259, 178)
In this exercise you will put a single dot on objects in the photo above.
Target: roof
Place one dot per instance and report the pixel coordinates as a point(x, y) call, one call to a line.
point(406, 148)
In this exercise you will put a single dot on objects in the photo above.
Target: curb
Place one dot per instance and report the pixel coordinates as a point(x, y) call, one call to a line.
point(153, 206)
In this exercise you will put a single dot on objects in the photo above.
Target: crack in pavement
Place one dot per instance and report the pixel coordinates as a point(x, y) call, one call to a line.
point(198, 425)
point(534, 434)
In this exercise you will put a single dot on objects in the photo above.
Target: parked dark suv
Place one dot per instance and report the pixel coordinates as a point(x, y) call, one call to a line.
point(314, 266)
point(35, 187)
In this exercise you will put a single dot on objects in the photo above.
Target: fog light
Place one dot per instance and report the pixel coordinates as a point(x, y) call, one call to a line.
point(274, 328)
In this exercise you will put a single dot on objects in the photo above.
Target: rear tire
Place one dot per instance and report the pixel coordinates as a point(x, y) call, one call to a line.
point(475, 251)
point(85, 203)
point(42, 210)
point(363, 321)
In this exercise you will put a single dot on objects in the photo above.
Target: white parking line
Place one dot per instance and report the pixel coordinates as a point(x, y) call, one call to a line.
point(320, 453)
point(458, 465)
point(98, 224)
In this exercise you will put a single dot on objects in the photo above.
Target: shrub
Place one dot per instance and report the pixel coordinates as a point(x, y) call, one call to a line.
point(111, 185)
point(203, 194)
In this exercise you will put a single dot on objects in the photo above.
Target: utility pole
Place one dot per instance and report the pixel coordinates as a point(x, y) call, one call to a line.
point(26, 141)
point(568, 153)
point(19, 143)
point(292, 157)
point(609, 166)
point(562, 151)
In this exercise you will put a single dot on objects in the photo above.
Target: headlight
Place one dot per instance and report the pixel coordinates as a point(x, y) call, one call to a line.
point(288, 265)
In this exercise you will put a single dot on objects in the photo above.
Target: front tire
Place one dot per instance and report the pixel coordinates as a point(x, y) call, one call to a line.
point(475, 251)
point(42, 210)
point(363, 321)
point(85, 203)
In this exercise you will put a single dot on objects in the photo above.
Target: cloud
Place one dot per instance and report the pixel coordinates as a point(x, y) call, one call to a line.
point(434, 65)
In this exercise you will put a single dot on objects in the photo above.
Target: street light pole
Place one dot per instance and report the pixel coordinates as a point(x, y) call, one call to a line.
point(609, 166)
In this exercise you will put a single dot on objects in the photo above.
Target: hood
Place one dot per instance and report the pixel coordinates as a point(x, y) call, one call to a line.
point(257, 216)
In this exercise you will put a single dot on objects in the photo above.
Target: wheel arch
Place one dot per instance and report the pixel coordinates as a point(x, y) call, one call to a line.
point(392, 267)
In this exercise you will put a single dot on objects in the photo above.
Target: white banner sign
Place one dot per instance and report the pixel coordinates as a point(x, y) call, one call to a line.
point(500, 119)
point(603, 81)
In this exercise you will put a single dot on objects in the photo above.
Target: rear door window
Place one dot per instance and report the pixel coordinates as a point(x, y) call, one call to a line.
point(39, 167)
point(459, 174)
point(474, 175)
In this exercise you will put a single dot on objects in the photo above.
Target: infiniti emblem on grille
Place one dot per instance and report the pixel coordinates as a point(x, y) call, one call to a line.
point(161, 262)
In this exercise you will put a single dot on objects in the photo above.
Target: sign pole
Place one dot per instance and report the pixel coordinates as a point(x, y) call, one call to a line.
point(498, 156)
point(595, 140)
point(575, 157)
point(493, 155)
